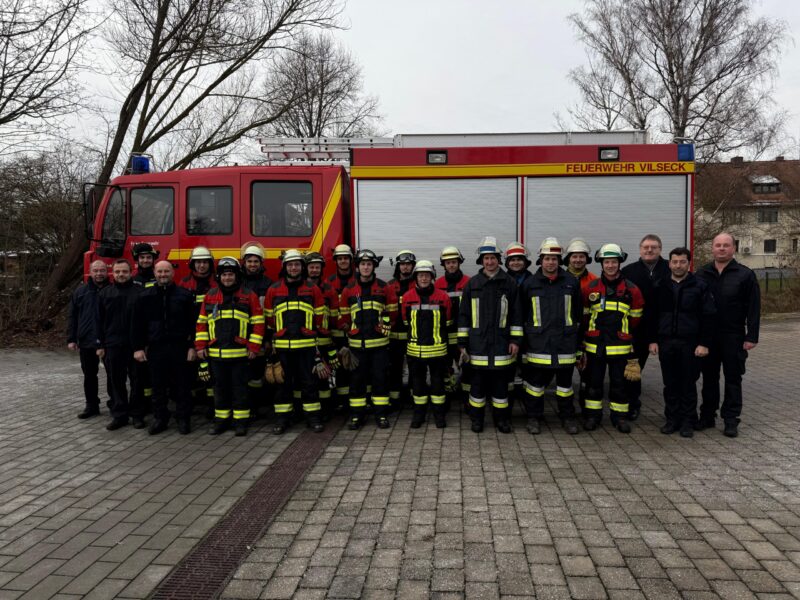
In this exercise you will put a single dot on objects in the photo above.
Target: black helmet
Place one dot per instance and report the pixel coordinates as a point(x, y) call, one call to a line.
point(314, 257)
point(144, 248)
point(367, 254)
point(228, 264)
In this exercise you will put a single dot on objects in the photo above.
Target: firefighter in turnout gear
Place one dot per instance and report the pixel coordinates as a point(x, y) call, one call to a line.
point(578, 255)
point(453, 282)
point(552, 309)
point(230, 331)
point(256, 280)
point(315, 264)
point(427, 316)
point(295, 312)
point(344, 275)
point(489, 333)
point(612, 306)
point(367, 309)
point(145, 257)
point(518, 262)
point(403, 280)
point(198, 282)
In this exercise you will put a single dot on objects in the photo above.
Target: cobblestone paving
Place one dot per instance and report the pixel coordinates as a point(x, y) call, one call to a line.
point(448, 514)
point(399, 513)
point(88, 513)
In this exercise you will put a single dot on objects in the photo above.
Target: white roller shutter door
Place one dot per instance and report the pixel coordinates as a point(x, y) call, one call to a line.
point(608, 209)
point(424, 215)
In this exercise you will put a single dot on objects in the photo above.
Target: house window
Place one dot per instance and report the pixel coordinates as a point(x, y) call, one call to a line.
point(770, 246)
point(767, 188)
point(736, 243)
point(794, 245)
point(734, 217)
point(767, 215)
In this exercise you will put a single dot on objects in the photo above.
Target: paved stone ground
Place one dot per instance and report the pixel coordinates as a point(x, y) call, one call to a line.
point(409, 514)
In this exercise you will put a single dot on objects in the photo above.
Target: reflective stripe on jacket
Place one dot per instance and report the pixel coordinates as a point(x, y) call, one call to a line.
point(361, 312)
point(455, 289)
point(428, 319)
point(552, 312)
point(611, 309)
point(230, 324)
point(294, 311)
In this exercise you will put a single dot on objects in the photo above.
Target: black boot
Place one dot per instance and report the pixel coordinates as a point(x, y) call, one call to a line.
point(534, 426)
point(185, 426)
point(315, 423)
point(590, 423)
point(88, 412)
point(240, 429)
point(157, 426)
point(218, 427)
point(281, 425)
point(439, 412)
point(417, 419)
point(117, 423)
point(570, 425)
point(138, 423)
point(731, 429)
point(622, 425)
point(669, 428)
point(477, 415)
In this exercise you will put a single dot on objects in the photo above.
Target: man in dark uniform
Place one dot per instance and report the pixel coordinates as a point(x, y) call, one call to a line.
point(646, 273)
point(116, 306)
point(82, 335)
point(738, 301)
point(163, 337)
point(683, 325)
point(256, 279)
point(145, 256)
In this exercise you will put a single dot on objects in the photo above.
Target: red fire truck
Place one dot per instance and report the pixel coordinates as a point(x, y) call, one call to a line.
point(419, 192)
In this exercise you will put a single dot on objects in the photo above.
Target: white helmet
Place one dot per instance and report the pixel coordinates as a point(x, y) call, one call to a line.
point(342, 250)
point(451, 253)
point(488, 246)
point(252, 249)
point(611, 251)
point(425, 266)
point(579, 245)
point(549, 247)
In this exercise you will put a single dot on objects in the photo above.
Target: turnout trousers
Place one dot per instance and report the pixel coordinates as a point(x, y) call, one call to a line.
point(596, 366)
point(230, 389)
point(490, 385)
point(372, 369)
point(297, 372)
point(537, 379)
point(680, 370)
point(422, 393)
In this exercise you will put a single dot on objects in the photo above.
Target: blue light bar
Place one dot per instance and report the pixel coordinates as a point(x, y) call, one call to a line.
point(140, 164)
point(686, 152)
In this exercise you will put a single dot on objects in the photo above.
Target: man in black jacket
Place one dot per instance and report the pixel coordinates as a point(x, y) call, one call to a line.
point(738, 301)
point(646, 273)
point(82, 334)
point(163, 337)
point(114, 331)
point(682, 327)
point(489, 335)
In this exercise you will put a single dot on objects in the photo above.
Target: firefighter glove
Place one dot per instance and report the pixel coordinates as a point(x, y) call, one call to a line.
point(633, 372)
point(321, 370)
point(450, 383)
point(204, 372)
point(333, 359)
point(464, 357)
point(385, 326)
point(348, 359)
point(273, 373)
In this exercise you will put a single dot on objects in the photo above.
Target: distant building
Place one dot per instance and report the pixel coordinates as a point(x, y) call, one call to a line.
point(759, 203)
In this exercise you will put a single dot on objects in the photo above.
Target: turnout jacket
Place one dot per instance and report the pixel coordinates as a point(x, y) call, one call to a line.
point(428, 318)
point(362, 309)
point(82, 321)
point(144, 277)
point(199, 287)
point(258, 283)
point(489, 320)
point(683, 311)
point(230, 323)
point(163, 315)
point(737, 298)
point(338, 283)
point(610, 310)
point(584, 278)
point(454, 286)
point(552, 313)
point(400, 287)
point(116, 305)
point(331, 317)
point(295, 312)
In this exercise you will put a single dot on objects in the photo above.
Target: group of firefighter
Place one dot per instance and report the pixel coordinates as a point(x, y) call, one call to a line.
point(228, 336)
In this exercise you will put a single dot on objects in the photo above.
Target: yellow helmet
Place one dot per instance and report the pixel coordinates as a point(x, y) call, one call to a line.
point(451, 253)
point(342, 250)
